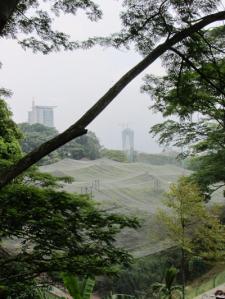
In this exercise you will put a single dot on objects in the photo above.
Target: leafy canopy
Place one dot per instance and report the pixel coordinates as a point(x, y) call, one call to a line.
point(145, 23)
point(78, 289)
point(193, 90)
point(32, 23)
point(34, 135)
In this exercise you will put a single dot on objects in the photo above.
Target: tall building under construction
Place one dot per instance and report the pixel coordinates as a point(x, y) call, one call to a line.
point(42, 115)
point(128, 143)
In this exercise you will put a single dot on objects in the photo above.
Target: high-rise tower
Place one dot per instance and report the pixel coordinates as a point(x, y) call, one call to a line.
point(128, 143)
point(41, 114)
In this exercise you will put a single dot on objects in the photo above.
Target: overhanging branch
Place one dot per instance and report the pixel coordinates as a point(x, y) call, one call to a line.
point(7, 7)
point(79, 128)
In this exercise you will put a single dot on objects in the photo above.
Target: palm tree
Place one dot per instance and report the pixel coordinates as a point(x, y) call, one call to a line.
point(167, 290)
point(78, 289)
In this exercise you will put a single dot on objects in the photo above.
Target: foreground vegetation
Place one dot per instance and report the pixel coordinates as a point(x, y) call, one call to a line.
point(45, 231)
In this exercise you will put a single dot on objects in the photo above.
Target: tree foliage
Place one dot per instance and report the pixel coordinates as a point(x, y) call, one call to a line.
point(137, 278)
point(35, 22)
point(193, 90)
point(115, 155)
point(9, 136)
point(34, 135)
point(191, 226)
point(145, 23)
point(50, 230)
point(78, 289)
point(86, 146)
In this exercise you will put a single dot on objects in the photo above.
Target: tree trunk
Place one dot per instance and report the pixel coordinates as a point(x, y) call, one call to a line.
point(78, 128)
point(7, 7)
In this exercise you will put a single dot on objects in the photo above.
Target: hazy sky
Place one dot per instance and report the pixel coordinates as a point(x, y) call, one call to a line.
point(73, 81)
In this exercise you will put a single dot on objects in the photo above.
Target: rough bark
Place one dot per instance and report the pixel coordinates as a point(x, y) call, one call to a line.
point(7, 7)
point(78, 128)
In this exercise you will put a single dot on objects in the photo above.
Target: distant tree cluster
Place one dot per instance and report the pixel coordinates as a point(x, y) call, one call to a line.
point(115, 155)
point(86, 146)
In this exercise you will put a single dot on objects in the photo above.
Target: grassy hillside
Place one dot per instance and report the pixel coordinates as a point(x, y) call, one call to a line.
point(129, 188)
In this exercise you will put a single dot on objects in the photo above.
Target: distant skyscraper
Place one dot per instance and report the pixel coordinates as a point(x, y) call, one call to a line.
point(128, 143)
point(42, 115)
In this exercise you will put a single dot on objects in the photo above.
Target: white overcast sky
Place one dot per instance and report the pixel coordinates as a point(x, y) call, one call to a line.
point(73, 81)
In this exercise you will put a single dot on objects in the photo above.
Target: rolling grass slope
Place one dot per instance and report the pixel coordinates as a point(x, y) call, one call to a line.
point(129, 188)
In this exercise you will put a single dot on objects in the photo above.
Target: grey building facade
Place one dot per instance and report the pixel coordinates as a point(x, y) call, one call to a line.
point(42, 115)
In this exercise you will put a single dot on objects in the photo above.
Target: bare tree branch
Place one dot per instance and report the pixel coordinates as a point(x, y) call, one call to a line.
point(78, 128)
